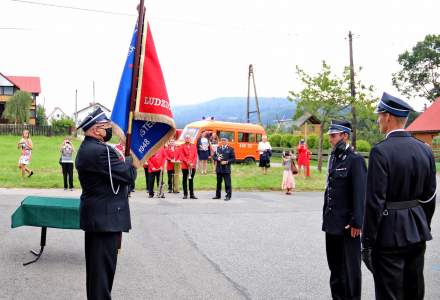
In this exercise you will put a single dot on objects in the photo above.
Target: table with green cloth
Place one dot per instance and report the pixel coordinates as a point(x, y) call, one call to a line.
point(44, 212)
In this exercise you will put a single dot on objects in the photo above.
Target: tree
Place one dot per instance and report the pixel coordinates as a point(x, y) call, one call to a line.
point(322, 96)
point(328, 96)
point(17, 108)
point(420, 74)
point(363, 99)
point(41, 115)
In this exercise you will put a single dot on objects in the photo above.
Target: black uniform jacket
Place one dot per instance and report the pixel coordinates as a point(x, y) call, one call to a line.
point(228, 155)
point(100, 209)
point(344, 197)
point(401, 168)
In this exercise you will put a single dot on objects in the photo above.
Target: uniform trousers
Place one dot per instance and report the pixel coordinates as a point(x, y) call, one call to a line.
point(67, 174)
point(146, 179)
point(153, 176)
point(101, 251)
point(344, 262)
point(186, 182)
point(398, 272)
point(228, 187)
point(170, 180)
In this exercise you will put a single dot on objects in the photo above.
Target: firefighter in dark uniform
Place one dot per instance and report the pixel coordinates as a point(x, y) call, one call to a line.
point(104, 212)
point(400, 203)
point(343, 211)
point(224, 156)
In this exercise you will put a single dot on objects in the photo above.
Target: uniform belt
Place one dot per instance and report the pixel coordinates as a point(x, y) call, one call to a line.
point(402, 204)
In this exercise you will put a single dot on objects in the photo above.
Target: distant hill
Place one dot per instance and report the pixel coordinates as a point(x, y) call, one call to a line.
point(233, 109)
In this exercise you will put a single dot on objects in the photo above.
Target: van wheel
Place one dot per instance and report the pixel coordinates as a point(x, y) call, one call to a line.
point(249, 160)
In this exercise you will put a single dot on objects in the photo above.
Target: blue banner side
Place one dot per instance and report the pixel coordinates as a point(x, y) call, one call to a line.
point(121, 107)
point(145, 135)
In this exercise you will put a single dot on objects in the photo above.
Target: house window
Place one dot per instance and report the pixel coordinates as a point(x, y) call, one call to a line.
point(6, 90)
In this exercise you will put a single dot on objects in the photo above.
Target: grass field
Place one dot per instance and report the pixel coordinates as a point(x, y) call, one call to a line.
point(47, 171)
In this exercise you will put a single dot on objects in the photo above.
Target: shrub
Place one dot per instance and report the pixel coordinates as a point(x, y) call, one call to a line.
point(325, 142)
point(312, 141)
point(275, 140)
point(363, 146)
point(62, 126)
point(286, 141)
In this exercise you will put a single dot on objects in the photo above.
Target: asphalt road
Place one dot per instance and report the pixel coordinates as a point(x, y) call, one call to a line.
point(257, 246)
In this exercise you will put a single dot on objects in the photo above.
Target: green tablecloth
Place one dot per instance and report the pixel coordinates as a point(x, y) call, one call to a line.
point(47, 212)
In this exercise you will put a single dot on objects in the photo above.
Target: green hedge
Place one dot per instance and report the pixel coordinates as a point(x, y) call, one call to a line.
point(363, 146)
point(291, 141)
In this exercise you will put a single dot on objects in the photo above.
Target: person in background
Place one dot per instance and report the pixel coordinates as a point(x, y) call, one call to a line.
point(224, 156)
point(213, 143)
point(188, 159)
point(155, 166)
point(203, 153)
point(171, 155)
point(265, 151)
point(66, 162)
point(288, 182)
point(25, 145)
point(302, 152)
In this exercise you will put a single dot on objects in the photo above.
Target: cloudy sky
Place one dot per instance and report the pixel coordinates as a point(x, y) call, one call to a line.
point(205, 46)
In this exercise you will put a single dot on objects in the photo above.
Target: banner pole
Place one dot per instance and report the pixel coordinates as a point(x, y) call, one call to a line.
point(134, 84)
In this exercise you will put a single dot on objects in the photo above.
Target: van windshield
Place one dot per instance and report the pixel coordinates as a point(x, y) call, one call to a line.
point(191, 132)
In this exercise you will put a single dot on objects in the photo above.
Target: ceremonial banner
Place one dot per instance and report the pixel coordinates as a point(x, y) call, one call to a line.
point(153, 123)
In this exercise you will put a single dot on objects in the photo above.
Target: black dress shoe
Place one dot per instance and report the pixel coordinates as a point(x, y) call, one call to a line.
point(193, 197)
point(185, 197)
point(227, 198)
point(215, 197)
point(150, 196)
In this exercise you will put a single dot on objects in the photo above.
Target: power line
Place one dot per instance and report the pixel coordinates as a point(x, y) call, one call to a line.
point(75, 8)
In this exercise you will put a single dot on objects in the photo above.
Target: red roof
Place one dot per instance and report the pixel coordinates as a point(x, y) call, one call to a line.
point(26, 83)
point(429, 120)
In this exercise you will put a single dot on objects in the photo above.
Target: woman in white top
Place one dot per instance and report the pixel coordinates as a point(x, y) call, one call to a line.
point(265, 151)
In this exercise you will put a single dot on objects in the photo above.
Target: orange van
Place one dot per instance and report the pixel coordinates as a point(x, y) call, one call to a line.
point(243, 137)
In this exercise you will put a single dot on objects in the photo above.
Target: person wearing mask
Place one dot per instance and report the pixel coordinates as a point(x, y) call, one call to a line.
point(104, 209)
point(224, 156)
point(343, 210)
point(25, 145)
point(188, 159)
point(66, 161)
point(400, 203)
point(265, 151)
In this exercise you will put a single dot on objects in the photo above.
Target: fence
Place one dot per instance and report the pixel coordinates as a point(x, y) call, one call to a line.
point(11, 129)
point(277, 151)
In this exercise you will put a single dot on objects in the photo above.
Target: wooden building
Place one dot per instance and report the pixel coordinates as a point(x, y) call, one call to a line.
point(10, 84)
point(306, 125)
point(427, 125)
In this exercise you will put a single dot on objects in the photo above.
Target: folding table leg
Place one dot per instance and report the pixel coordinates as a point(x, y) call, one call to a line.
point(42, 244)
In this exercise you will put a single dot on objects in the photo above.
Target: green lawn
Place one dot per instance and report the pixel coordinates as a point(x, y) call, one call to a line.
point(47, 171)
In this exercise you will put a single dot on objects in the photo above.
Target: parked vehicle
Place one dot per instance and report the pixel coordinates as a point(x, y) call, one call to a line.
point(243, 137)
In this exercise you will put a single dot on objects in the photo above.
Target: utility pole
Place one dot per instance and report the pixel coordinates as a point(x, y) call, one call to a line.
point(94, 100)
point(248, 112)
point(353, 92)
point(76, 112)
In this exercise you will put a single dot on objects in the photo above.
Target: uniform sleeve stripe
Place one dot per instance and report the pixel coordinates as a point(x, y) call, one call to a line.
point(429, 200)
